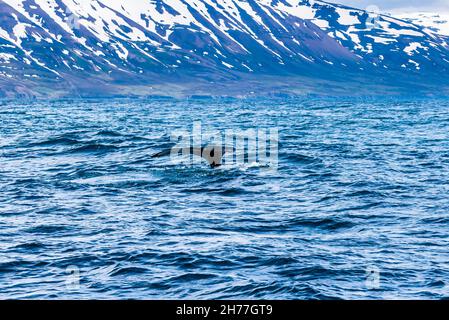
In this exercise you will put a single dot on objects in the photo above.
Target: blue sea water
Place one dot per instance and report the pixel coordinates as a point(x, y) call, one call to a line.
point(358, 208)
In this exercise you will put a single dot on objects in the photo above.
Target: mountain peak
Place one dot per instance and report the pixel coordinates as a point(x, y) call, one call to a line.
point(85, 45)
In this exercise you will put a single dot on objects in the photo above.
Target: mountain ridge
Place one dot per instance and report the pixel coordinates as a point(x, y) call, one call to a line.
point(79, 48)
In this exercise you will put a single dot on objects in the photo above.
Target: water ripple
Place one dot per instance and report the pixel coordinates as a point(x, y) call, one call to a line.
point(361, 186)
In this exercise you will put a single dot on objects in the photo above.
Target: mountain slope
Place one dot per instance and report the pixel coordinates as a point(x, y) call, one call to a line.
point(90, 47)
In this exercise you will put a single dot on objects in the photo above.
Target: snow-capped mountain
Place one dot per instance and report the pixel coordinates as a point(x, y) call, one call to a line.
point(434, 22)
point(102, 45)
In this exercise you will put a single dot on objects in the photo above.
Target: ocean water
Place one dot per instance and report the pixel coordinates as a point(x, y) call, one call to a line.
point(358, 207)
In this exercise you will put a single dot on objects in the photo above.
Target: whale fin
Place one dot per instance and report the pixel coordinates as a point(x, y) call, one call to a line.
point(212, 154)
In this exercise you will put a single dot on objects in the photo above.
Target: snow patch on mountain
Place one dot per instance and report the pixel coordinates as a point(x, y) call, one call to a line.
point(433, 22)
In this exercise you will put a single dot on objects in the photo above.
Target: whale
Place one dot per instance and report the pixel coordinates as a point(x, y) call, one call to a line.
point(211, 153)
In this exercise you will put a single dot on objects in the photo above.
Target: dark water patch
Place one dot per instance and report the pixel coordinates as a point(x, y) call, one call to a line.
point(366, 194)
point(64, 141)
point(161, 202)
point(9, 112)
point(21, 265)
point(367, 206)
point(155, 233)
point(330, 224)
point(49, 229)
point(315, 272)
point(296, 158)
point(437, 284)
point(28, 182)
point(29, 246)
point(189, 277)
point(137, 183)
point(109, 133)
point(279, 261)
point(325, 224)
point(95, 148)
point(232, 192)
point(75, 258)
point(127, 271)
point(435, 220)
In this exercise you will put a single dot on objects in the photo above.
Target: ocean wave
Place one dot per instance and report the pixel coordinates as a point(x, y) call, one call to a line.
point(83, 195)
